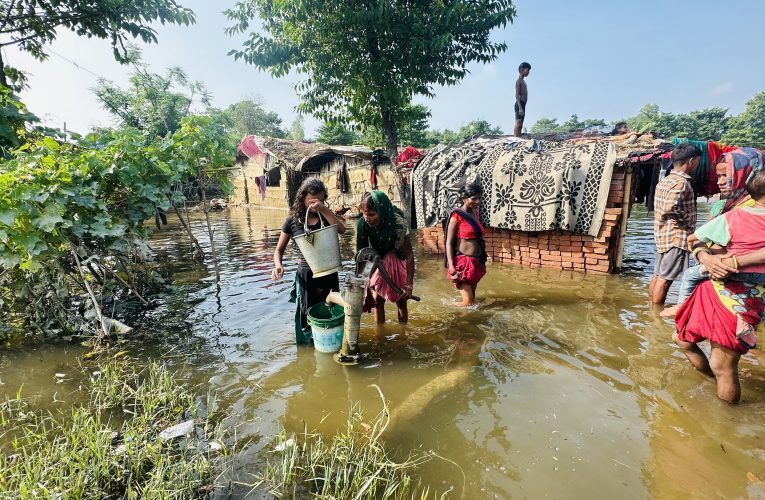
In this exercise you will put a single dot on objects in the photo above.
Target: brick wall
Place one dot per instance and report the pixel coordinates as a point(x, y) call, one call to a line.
point(555, 249)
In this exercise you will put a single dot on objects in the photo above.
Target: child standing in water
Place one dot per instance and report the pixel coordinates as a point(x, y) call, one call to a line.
point(384, 228)
point(306, 290)
point(465, 246)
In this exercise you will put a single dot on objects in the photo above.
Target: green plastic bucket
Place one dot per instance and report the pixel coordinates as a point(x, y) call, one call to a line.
point(326, 326)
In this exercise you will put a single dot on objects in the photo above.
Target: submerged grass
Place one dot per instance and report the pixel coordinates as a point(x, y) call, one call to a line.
point(353, 464)
point(108, 447)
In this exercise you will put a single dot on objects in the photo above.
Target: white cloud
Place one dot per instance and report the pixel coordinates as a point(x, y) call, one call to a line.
point(489, 69)
point(723, 88)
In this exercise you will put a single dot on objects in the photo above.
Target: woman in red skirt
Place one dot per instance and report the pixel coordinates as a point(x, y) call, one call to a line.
point(710, 313)
point(465, 245)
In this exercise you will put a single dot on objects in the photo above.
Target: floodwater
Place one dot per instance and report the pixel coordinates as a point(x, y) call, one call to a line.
point(561, 385)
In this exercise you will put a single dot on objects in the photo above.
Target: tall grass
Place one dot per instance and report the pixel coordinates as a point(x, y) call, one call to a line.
point(353, 464)
point(108, 447)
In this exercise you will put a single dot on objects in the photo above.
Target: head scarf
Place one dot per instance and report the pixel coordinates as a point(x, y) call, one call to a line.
point(740, 164)
point(383, 237)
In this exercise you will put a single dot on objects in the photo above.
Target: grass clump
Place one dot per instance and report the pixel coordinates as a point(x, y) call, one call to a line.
point(109, 446)
point(353, 464)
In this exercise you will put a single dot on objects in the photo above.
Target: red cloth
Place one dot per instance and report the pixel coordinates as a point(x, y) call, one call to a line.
point(408, 157)
point(464, 230)
point(703, 317)
point(469, 269)
point(396, 270)
point(747, 234)
point(715, 152)
point(249, 146)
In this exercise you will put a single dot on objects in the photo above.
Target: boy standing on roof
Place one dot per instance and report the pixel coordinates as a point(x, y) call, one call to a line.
point(674, 221)
point(521, 96)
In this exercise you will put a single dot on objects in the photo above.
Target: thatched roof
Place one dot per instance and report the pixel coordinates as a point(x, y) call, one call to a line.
point(302, 156)
point(291, 153)
point(325, 154)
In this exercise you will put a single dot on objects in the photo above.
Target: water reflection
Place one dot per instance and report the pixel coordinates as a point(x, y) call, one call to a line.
point(560, 384)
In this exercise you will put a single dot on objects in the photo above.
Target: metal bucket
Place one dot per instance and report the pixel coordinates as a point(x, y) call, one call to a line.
point(320, 248)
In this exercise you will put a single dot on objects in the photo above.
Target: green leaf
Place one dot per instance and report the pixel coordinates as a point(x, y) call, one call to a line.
point(49, 217)
point(7, 217)
point(9, 261)
point(32, 244)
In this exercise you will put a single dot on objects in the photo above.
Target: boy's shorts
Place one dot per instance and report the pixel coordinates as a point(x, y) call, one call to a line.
point(671, 264)
point(518, 115)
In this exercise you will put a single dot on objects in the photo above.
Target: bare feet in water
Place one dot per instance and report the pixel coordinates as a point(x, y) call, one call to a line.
point(669, 312)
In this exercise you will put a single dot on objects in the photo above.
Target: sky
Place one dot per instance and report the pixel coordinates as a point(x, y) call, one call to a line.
point(601, 59)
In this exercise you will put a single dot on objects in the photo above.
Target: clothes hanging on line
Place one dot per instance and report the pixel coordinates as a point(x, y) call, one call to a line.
point(261, 182)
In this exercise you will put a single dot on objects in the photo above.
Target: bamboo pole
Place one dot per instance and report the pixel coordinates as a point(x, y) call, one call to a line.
point(626, 204)
point(210, 231)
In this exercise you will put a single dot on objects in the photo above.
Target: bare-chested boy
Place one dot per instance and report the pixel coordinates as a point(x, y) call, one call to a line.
point(521, 96)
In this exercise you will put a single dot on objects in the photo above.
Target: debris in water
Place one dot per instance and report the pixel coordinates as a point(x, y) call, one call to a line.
point(182, 429)
point(60, 375)
point(287, 444)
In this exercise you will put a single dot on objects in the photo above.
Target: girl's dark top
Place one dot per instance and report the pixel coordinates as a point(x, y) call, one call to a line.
point(294, 228)
point(314, 290)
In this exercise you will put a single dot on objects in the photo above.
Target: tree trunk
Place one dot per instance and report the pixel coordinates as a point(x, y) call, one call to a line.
point(3, 80)
point(390, 136)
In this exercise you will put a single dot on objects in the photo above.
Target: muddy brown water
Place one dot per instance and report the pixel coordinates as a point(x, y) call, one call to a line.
point(561, 385)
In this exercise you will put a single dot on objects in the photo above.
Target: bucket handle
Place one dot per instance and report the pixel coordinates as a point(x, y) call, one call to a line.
point(305, 224)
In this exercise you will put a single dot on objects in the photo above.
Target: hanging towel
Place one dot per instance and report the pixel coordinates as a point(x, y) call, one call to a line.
point(373, 176)
point(261, 182)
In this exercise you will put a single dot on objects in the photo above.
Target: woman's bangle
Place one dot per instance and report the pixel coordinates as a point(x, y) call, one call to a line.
point(697, 251)
point(735, 262)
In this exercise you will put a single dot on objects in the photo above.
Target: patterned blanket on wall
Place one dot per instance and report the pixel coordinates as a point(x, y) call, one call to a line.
point(528, 185)
point(438, 177)
point(558, 187)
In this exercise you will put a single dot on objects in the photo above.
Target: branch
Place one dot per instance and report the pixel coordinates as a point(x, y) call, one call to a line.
point(125, 284)
point(20, 40)
point(7, 15)
point(96, 305)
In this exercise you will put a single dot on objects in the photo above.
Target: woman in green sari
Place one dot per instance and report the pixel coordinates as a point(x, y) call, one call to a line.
point(384, 228)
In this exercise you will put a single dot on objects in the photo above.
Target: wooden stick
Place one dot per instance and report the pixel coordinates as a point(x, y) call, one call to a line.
point(185, 224)
point(96, 305)
point(125, 284)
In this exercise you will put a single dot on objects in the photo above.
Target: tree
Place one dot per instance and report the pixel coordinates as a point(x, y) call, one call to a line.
point(62, 205)
point(748, 128)
point(706, 125)
point(476, 128)
point(154, 103)
point(546, 126)
point(250, 117)
point(413, 128)
point(366, 60)
point(32, 24)
point(338, 134)
point(14, 118)
point(297, 129)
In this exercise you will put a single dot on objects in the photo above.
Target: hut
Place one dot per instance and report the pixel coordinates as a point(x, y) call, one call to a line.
point(547, 203)
point(271, 170)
